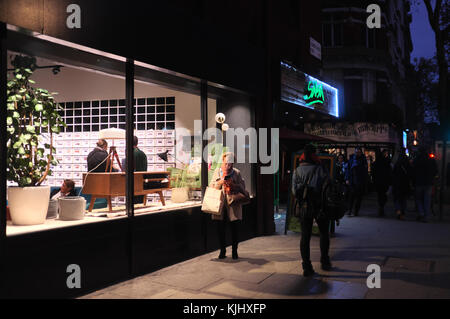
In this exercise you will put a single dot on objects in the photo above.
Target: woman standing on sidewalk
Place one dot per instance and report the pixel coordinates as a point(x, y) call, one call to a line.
point(312, 175)
point(228, 179)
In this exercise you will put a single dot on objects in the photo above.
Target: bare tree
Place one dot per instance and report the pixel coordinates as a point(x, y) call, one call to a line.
point(438, 19)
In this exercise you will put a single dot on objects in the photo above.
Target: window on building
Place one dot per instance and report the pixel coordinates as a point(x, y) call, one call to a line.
point(332, 31)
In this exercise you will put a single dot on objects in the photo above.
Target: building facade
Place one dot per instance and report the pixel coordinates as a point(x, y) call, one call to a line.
point(369, 66)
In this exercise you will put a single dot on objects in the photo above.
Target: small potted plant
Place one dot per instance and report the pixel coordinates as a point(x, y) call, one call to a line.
point(31, 112)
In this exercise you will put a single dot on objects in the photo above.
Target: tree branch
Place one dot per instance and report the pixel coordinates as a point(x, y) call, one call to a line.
point(433, 23)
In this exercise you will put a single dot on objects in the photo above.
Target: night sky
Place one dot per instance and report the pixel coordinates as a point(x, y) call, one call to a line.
point(421, 32)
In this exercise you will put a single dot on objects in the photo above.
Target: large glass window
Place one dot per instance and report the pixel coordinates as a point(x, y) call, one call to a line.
point(89, 162)
point(88, 96)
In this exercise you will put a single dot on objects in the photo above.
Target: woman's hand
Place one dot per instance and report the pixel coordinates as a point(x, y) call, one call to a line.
point(219, 183)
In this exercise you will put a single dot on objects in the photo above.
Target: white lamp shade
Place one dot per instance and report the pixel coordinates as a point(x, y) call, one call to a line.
point(220, 118)
point(112, 134)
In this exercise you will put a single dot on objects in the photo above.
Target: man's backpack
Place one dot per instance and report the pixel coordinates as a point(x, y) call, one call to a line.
point(334, 200)
point(301, 207)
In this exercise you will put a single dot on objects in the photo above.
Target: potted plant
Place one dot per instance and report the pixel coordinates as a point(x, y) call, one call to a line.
point(31, 112)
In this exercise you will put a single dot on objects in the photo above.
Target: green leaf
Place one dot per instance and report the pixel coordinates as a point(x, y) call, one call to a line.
point(31, 129)
point(17, 145)
point(39, 107)
point(28, 71)
point(55, 129)
point(21, 150)
point(11, 130)
point(11, 106)
point(31, 81)
point(19, 76)
point(16, 115)
point(9, 121)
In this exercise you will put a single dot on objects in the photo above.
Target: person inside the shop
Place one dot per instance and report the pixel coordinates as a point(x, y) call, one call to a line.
point(96, 159)
point(67, 189)
point(311, 174)
point(382, 178)
point(357, 180)
point(229, 179)
point(140, 165)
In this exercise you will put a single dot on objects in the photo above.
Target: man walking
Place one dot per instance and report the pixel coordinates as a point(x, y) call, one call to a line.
point(357, 180)
point(382, 178)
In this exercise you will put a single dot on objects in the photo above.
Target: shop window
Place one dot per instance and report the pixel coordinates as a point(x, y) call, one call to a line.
point(165, 119)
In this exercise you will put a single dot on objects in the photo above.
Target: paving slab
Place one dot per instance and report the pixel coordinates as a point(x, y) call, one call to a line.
point(414, 259)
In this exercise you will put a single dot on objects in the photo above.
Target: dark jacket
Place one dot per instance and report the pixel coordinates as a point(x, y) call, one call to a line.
point(357, 171)
point(96, 157)
point(302, 174)
point(401, 179)
point(382, 173)
point(425, 169)
point(341, 172)
point(56, 191)
point(140, 161)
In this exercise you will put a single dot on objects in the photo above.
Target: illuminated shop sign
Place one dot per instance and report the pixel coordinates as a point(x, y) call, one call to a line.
point(302, 89)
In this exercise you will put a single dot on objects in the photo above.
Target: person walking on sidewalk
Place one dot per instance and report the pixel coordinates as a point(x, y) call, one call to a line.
point(312, 175)
point(229, 179)
point(401, 183)
point(425, 170)
point(341, 169)
point(382, 178)
point(357, 180)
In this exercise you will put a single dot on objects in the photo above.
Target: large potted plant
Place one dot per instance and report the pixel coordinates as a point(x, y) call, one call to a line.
point(31, 112)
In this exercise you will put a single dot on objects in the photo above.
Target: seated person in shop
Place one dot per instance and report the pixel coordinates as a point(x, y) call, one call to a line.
point(96, 159)
point(67, 189)
point(140, 164)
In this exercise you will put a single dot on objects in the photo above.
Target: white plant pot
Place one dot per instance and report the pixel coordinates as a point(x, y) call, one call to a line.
point(28, 205)
point(72, 208)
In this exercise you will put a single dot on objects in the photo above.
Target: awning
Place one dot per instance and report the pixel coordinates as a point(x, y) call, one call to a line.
point(289, 134)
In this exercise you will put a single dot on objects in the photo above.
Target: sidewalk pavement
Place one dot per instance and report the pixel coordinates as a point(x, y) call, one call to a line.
point(414, 259)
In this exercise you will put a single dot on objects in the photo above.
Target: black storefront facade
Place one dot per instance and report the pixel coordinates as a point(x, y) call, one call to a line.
point(200, 60)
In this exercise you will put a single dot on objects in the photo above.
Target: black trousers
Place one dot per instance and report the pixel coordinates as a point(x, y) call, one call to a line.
point(307, 225)
point(356, 195)
point(382, 197)
point(221, 230)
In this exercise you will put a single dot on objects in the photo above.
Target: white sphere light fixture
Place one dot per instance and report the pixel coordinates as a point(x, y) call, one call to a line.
point(220, 118)
point(225, 127)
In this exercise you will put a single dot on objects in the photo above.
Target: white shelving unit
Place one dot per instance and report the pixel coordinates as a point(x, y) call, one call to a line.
point(154, 127)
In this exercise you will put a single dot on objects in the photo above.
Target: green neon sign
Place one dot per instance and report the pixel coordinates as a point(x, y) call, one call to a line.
point(315, 93)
